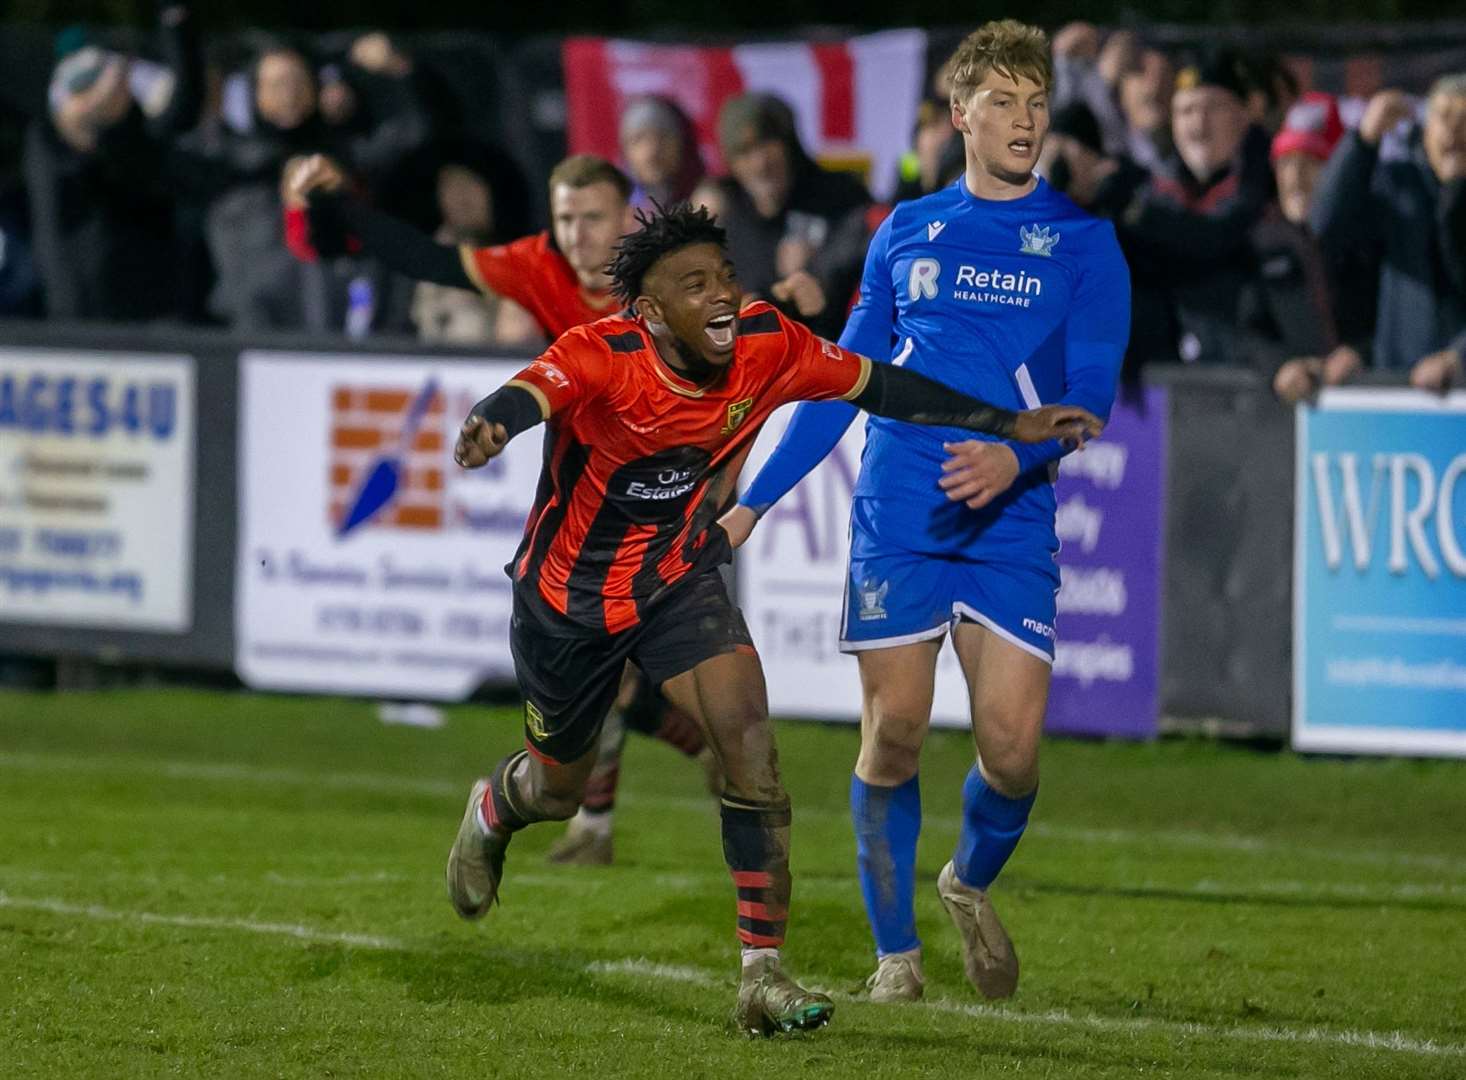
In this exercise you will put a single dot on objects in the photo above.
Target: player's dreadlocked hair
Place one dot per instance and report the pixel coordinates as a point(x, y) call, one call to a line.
point(662, 232)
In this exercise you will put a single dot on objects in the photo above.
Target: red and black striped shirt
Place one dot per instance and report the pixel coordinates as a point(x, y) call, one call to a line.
point(639, 462)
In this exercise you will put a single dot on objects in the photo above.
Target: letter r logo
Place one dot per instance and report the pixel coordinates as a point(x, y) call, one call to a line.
point(922, 284)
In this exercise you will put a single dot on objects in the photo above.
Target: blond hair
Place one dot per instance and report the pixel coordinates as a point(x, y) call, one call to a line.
point(1007, 46)
point(583, 170)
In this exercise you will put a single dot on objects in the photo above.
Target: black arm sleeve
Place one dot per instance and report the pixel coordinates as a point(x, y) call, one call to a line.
point(513, 406)
point(183, 54)
point(396, 244)
point(904, 395)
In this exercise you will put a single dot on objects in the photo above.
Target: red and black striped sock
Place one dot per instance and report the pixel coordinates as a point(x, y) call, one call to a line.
point(502, 801)
point(756, 847)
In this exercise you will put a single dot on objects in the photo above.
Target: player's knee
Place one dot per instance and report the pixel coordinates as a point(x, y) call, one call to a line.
point(745, 748)
point(890, 746)
point(1011, 768)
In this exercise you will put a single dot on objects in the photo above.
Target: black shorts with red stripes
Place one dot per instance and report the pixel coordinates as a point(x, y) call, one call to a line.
point(569, 677)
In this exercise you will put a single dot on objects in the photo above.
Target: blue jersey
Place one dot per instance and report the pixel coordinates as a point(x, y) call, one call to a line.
point(1020, 303)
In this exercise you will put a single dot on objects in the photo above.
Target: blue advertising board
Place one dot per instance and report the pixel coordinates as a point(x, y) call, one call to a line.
point(1379, 638)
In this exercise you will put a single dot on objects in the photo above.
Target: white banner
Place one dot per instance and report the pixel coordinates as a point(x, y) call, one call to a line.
point(368, 562)
point(791, 586)
point(96, 489)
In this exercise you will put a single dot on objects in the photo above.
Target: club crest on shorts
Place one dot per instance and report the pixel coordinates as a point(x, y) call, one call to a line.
point(737, 413)
point(534, 720)
point(1037, 240)
point(873, 599)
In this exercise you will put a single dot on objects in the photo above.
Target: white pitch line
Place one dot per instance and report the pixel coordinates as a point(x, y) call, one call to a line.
point(386, 783)
point(204, 922)
point(1394, 1042)
point(686, 880)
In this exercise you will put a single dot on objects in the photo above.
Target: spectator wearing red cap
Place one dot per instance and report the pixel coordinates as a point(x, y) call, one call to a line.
point(1311, 130)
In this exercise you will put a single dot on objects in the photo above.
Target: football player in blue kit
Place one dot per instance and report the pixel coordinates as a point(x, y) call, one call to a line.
point(1002, 288)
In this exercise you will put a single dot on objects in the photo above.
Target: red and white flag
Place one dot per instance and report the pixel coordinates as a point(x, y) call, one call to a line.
point(854, 100)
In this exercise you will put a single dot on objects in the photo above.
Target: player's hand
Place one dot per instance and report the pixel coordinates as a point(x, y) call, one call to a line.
point(376, 52)
point(1385, 110)
point(738, 523)
point(805, 292)
point(479, 442)
point(1068, 423)
point(977, 472)
point(1438, 371)
point(314, 173)
point(1077, 39)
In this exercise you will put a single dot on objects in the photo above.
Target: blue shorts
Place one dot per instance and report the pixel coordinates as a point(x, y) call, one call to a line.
point(896, 597)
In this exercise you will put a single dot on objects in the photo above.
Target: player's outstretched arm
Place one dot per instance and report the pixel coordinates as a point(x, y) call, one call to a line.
point(512, 408)
point(319, 183)
point(395, 243)
point(905, 395)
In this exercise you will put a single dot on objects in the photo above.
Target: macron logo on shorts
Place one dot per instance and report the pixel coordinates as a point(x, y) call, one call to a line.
point(1042, 629)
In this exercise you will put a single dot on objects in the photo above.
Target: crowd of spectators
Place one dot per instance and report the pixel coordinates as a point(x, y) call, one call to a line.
point(1261, 230)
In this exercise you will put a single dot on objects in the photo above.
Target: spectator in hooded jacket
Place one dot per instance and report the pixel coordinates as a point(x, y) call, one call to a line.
point(659, 147)
point(1410, 217)
point(780, 209)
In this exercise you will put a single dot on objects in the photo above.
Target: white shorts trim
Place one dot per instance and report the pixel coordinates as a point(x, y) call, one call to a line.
point(959, 608)
point(891, 642)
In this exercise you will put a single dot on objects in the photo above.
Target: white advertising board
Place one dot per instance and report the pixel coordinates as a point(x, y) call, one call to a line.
point(96, 489)
point(368, 562)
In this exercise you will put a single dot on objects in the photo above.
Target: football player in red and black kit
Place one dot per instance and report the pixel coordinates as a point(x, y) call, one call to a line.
point(560, 278)
point(651, 414)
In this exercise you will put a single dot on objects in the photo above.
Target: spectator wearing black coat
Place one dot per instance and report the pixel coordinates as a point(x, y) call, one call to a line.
point(102, 232)
point(1410, 217)
point(1187, 227)
point(780, 208)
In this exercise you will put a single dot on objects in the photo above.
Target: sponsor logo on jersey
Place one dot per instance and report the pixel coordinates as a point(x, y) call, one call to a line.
point(670, 483)
point(873, 599)
point(738, 412)
point(994, 286)
point(550, 373)
point(934, 229)
point(921, 283)
point(1037, 240)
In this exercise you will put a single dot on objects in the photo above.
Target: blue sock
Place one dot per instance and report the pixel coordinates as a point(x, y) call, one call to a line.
point(992, 825)
point(887, 821)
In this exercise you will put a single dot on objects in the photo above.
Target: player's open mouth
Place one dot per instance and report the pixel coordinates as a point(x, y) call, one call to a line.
point(720, 331)
point(1021, 147)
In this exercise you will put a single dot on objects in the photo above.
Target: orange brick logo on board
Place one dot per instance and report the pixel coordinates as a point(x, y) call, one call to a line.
point(387, 457)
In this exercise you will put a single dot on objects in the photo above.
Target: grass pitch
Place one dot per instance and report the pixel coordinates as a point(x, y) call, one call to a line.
point(210, 884)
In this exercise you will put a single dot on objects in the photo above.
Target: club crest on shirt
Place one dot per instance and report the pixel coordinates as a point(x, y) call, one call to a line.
point(1037, 240)
point(534, 720)
point(873, 599)
point(737, 413)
